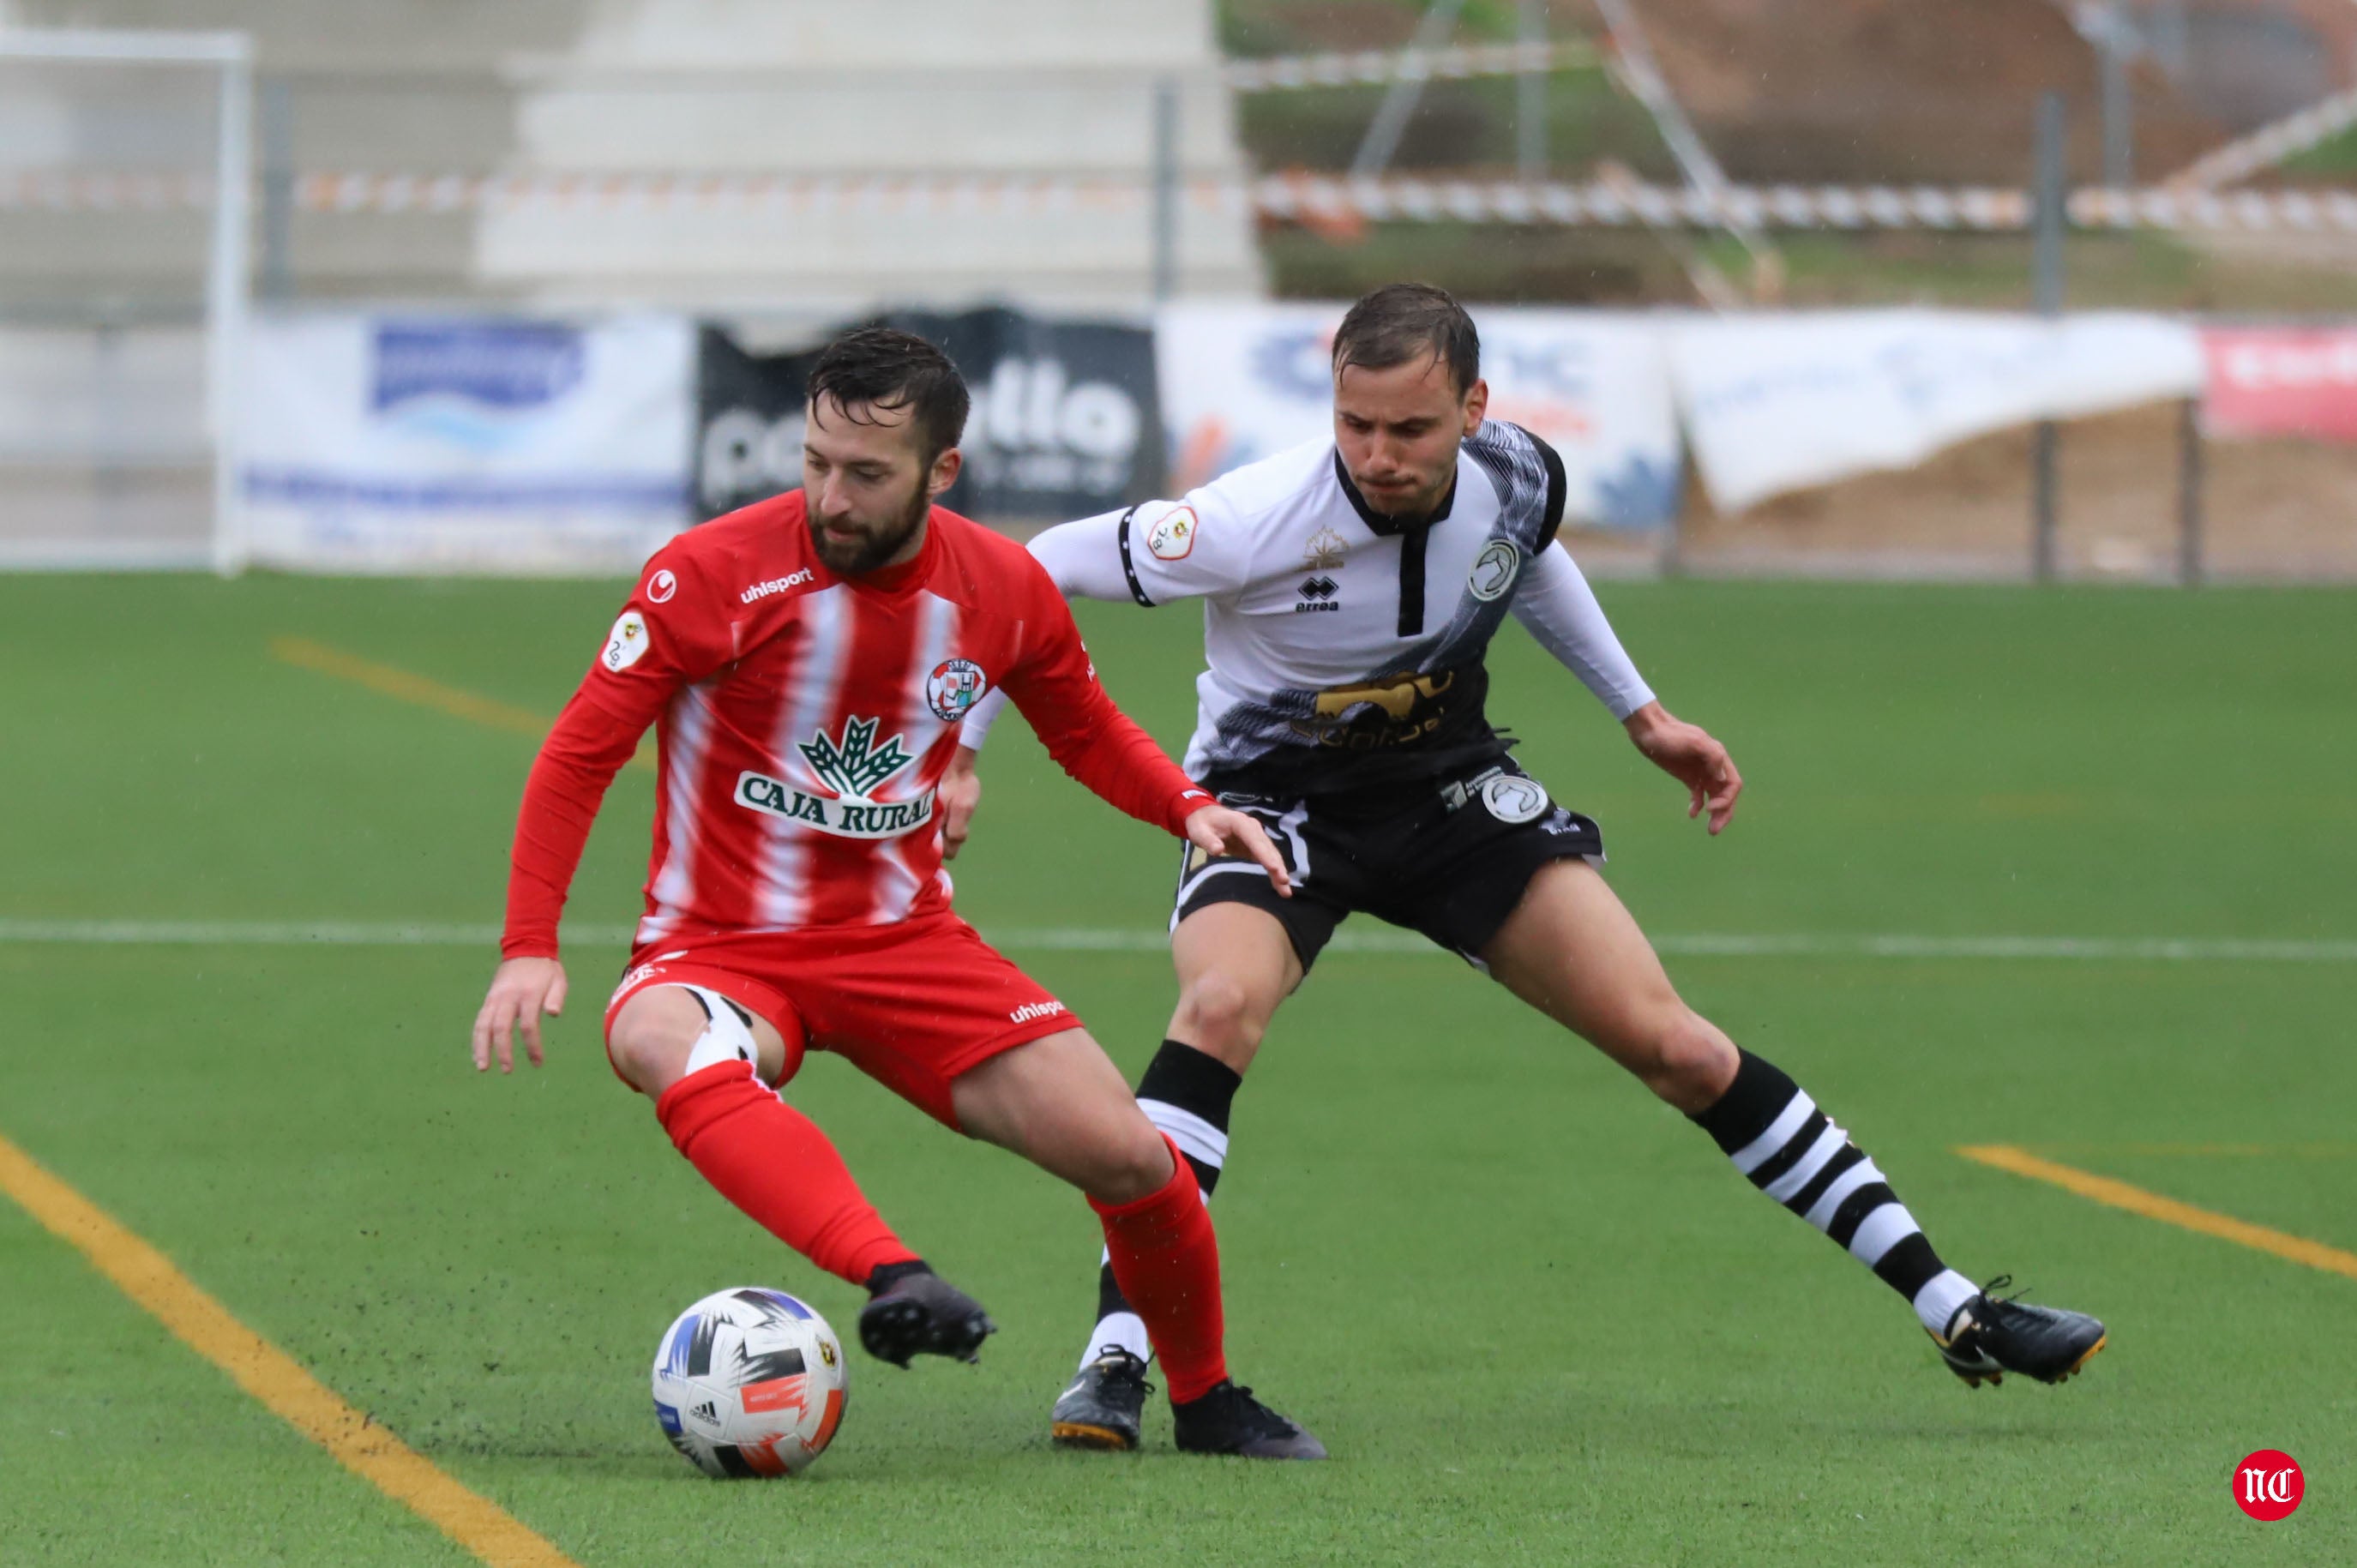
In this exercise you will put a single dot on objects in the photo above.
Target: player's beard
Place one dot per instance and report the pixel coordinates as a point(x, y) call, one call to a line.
point(874, 546)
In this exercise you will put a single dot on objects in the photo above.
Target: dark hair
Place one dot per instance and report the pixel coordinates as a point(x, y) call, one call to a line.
point(1401, 322)
point(882, 367)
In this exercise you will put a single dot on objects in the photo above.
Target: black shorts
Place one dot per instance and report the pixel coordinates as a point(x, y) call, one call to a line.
point(1449, 858)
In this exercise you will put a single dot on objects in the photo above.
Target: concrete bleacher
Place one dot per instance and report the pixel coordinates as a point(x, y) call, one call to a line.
point(896, 89)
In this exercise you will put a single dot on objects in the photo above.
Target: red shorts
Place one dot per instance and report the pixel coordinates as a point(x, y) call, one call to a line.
point(913, 1004)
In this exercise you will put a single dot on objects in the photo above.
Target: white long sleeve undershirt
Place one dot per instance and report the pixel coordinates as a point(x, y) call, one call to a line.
point(1560, 609)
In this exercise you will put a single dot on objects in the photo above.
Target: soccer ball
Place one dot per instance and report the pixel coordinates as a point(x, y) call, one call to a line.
point(749, 1382)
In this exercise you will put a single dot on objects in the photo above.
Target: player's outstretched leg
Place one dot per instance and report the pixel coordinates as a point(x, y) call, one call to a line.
point(701, 1057)
point(1235, 965)
point(1185, 1093)
point(1572, 950)
point(1060, 1103)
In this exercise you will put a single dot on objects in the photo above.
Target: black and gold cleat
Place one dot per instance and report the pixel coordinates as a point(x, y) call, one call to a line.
point(1229, 1420)
point(1991, 1336)
point(921, 1314)
point(1104, 1404)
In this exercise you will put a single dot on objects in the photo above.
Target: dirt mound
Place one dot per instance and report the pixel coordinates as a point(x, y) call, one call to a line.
point(2274, 511)
point(1896, 91)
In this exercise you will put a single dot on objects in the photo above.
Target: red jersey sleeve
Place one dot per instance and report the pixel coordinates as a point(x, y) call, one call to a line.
point(676, 631)
point(1056, 686)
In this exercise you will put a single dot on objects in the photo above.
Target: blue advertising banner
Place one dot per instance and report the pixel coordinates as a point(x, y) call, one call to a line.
point(465, 444)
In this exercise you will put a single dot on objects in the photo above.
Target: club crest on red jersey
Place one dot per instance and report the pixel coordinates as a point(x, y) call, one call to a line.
point(954, 686)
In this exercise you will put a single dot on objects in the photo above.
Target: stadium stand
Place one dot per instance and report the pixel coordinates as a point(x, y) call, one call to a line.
point(890, 87)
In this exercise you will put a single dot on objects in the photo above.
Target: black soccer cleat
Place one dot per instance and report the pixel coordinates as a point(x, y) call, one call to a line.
point(924, 1315)
point(1104, 1407)
point(1991, 1336)
point(1228, 1420)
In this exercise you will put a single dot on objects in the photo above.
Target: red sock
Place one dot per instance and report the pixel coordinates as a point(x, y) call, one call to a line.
point(772, 1162)
point(1167, 1262)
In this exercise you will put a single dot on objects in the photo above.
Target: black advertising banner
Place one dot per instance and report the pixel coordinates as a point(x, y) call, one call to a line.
point(1066, 421)
point(748, 422)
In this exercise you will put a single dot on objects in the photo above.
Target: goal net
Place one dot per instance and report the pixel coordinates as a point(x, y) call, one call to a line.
point(123, 213)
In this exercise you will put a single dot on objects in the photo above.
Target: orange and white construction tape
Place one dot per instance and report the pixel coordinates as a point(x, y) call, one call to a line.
point(1611, 204)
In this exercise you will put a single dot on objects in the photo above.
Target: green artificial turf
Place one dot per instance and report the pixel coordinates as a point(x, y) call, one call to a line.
point(1534, 1313)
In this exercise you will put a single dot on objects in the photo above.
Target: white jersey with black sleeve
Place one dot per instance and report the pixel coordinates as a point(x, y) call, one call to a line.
point(1344, 649)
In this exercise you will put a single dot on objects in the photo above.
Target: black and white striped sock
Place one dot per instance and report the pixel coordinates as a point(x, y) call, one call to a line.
point(1795, 1153)
point(1186, 1093)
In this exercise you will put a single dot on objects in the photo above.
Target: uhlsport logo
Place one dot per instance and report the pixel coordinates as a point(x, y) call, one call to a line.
point(954, 686)
point(662, 586)
point(777, 585)
point(2268, 1484)
point(1031, 1010)
point(631, 977)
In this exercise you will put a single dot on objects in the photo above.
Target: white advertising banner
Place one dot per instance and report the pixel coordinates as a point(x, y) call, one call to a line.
point(400, 443)
point(1781, 403)
point(1243, 380)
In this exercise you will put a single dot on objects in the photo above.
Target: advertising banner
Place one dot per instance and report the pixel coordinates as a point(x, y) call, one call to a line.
point(1781, 403)
point(1241, 381)
point(1065, 420)
point(2281, 381)
point(464, 443)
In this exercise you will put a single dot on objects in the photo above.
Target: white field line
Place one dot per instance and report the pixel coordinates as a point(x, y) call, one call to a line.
point(427, 933)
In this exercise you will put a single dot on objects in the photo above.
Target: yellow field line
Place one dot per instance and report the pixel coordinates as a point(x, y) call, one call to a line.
point(401, 685)
point(269, 1375)
point(2167, 1211)
point(2173, 1151)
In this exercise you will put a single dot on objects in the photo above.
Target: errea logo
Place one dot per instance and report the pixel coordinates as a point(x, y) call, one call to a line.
point(777, 585)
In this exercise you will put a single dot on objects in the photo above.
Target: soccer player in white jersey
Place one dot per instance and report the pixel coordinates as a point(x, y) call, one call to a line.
point(1351, 588)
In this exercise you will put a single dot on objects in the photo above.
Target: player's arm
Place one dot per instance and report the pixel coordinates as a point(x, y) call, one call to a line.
point(1560, 610)
point(1148, 554)
point(653, 649)
point(1101, 747)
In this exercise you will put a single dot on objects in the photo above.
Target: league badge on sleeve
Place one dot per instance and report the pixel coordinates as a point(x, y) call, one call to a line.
point(954, 686)
point(1495, 569)
point(626, 644)
point(1173, 537)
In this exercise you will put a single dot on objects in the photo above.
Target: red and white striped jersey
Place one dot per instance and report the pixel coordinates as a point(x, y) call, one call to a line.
point(804, 721)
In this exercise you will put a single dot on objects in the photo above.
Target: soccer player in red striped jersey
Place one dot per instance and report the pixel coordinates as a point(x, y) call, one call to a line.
point(806, 663)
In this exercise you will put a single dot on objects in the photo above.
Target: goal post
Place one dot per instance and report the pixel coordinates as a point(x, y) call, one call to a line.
point(125, 199)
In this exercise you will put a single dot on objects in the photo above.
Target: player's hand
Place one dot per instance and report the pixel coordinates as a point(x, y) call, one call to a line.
point(1688, 754)
point(522, 990)
point(961, 793)
point(1222, 833)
